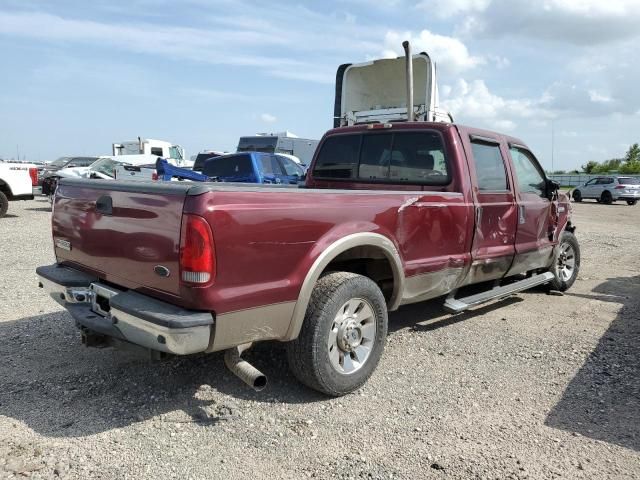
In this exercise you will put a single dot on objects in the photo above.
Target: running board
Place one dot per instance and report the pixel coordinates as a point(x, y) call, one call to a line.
point(457, 305)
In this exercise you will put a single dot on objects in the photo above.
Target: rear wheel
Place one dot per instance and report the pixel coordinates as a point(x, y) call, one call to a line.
point(343, 334)
point(566, 264)
point(577, 196)
point(632, 202)
point(4, 204)
point(606, 197)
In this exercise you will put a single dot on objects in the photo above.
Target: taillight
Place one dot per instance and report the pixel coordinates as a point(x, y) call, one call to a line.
point(33, 173)
point(154, 176)
point(619, 187)
point(197, 252)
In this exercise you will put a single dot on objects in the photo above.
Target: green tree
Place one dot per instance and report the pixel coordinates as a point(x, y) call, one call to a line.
point(633, 154)
point(590, 166)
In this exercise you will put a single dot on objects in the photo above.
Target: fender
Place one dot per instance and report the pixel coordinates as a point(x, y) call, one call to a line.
point(348, 242)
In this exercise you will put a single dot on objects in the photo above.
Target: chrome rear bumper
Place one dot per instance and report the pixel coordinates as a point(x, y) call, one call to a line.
point(127, 315)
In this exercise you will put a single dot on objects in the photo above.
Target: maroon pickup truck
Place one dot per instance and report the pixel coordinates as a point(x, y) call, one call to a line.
point(390, 214)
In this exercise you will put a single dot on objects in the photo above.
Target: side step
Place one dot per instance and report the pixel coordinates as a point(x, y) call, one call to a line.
point(457, 305)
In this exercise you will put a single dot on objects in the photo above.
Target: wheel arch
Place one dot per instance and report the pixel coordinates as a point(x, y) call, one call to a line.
point(357, 246)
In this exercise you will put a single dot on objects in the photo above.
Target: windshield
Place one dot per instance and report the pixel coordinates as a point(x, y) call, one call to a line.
point(60, 162)
point(106, 166)
point(628, 181)
point(258, 144)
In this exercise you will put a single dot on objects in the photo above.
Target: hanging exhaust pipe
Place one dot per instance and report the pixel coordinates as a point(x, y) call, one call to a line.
point(409, 74)
point(243, 369)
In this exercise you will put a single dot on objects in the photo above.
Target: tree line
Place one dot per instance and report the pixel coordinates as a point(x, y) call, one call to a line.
point(629, 164)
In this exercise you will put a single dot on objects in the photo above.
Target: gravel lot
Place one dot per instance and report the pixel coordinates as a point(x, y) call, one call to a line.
point(543, 387)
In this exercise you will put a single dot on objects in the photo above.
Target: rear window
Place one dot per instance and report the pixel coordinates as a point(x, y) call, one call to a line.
point(228, 166)
point(201, 158)
point(490, 169)
point(398, 157)
point(628, 181)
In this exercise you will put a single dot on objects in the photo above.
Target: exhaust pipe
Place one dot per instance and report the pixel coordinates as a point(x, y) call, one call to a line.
point(243, 369)
point(409, 74)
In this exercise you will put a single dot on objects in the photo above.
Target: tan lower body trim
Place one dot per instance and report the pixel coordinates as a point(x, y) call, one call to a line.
point(270, 322)
point(431, 285)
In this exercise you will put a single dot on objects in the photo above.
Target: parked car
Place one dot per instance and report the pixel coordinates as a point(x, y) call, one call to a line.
point(17, 182)
point(254, 167)
point(609, 189)
point(48, 169)
point(390, 214)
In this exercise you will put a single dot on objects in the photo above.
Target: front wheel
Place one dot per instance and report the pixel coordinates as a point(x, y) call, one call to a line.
point(566, 264)
point(4, 204)
point(343, 334)
point(577, 196)
point(632, 202)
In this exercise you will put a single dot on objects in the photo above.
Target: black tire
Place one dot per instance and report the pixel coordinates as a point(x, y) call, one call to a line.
point(577, 196)
point(308, 355)
point(631, 202)
point(560, 282)
point(606, 197)
point(4, 204)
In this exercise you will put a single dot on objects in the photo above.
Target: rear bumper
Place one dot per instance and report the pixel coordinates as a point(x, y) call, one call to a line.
point(127, 315)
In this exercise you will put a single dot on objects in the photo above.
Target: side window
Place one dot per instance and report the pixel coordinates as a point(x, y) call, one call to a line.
point(528, 174)
point(291, 168)
point(338, 157)
point(156, 151)
point(269, 165)
point(591, 182)
point(602, 181)
point(490, 168)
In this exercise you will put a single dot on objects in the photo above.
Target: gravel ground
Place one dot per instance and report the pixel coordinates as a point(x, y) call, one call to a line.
point(537, 386)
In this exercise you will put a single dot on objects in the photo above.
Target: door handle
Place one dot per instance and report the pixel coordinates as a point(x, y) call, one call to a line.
point(478, 216)
point(521, 217)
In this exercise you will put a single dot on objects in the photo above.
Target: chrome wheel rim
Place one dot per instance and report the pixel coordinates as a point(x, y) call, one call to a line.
point(566, 262)
point(352, 335)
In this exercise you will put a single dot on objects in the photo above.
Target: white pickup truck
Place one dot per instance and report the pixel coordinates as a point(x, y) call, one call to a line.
point(17, 181)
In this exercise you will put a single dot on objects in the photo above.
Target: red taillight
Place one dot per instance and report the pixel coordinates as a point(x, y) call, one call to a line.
point(197, 253)
point(154, 176)
point(619, 187)
point(33, 173)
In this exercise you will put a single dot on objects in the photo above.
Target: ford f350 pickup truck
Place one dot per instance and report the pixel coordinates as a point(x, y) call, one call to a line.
point(390, 214)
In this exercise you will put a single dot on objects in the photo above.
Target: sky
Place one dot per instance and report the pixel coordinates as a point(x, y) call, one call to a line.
point(78, 76)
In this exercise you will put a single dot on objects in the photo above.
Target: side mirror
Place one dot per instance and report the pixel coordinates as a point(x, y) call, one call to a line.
point(551, 187)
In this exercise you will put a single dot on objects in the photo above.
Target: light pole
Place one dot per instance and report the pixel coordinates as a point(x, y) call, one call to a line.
point(553, 121)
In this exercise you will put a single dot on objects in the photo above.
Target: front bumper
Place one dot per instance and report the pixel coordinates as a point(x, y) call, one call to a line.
point(126, 315)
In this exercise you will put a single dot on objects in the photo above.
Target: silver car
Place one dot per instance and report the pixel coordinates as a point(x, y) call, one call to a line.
point(608, 189)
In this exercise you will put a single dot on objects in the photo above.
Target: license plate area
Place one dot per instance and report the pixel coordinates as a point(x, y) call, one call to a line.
point(100, 298)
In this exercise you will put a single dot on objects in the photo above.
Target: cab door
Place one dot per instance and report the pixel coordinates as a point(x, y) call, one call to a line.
point(589, 188)
point(493, 246)
point(536, 213)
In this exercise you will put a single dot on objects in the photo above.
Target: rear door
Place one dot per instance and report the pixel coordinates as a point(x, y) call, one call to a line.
point(536, 214)
point(292, 171)
point(496, 216)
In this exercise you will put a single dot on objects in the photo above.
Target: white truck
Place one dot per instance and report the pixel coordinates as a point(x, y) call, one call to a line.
point(17, 181)
point(149, 146)
point(280, 142)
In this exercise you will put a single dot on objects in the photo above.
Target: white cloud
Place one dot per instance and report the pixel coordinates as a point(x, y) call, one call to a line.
point(450, 54)
point(450, 8)
point(268, 118)
point(474, 103)
point(582, 22)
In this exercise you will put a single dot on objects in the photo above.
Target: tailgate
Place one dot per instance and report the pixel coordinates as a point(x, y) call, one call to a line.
point(121, 231)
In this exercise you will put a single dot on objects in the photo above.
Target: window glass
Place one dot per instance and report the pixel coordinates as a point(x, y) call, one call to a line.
point(374, 157)
point(490, 169)
point(591, 182)
point(628, 181)
point(291, 168)
point(399, 157)
point(603, 181)
point(530, 179)
point(228, 166)
point(269, 165)
point(265, 144)
point(156, 151)
point(338, 157)
point(418, 158)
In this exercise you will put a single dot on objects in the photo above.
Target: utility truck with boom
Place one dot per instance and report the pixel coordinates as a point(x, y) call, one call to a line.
point(393, 211)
